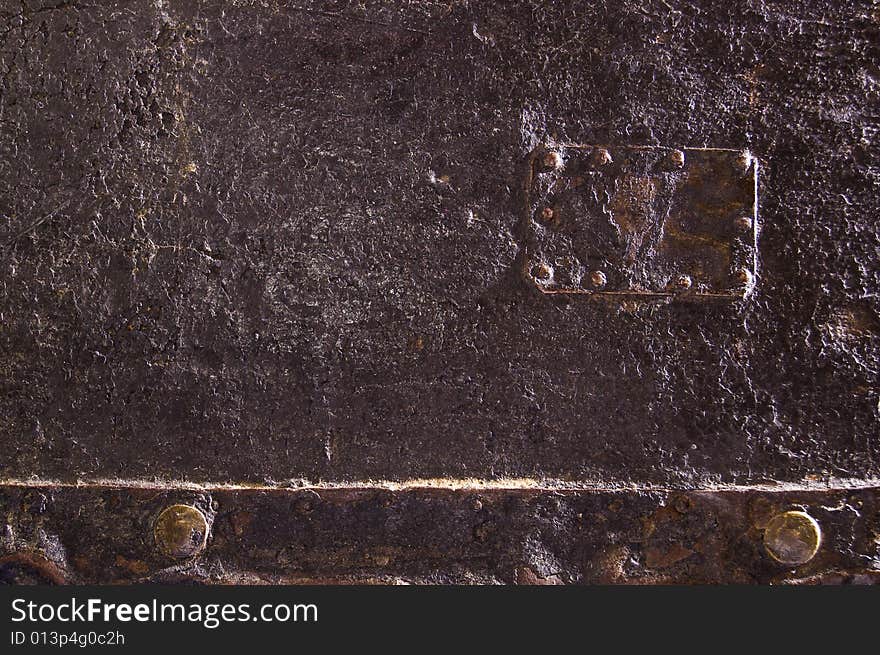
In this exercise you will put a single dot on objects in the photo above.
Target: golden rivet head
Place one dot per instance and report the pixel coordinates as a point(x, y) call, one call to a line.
point(743, 223)
point(552, 160)
point(744, 276)
point(676, 158)
point(744, 161)
point(792, 537)
point(542, 272)
point(601, 157)
point(181, 531)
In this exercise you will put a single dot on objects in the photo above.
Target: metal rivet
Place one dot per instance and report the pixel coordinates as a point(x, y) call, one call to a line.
point(792, 537)
point(598, 279)
point(683, 282)
point(542, 272)
point(552, 160)
point(676, 158)
point(743, 223)
point(181, 531)
point(744, 161)
point(547, 214)
point(601, 157)
point(743, 276)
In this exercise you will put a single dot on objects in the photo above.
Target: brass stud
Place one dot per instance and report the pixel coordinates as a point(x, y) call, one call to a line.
point(744, 161)
point(743, 223)
point(542, 272)
point(547, 214)
point(683, 282)
point(552, 160)
point(676, 158)
point(181, 531)
point(601, 157)
point(792, 537)
point(743, 276)
point(598, 279)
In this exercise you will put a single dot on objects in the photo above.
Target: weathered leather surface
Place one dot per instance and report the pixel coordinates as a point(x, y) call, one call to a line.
point(263, 241)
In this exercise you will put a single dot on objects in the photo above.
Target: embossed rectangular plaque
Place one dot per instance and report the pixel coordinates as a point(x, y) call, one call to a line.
point(645, 221)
